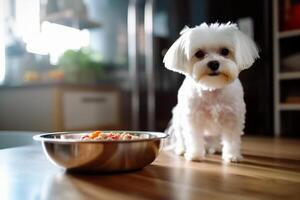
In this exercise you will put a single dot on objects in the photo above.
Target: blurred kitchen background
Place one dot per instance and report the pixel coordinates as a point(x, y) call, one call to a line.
point(97, 64)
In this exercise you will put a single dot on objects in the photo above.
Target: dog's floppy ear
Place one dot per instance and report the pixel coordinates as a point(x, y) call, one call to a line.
point(175, 58)
point(246, 51)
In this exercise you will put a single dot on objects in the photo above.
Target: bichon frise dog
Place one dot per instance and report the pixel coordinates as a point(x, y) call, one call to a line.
point(210, 109)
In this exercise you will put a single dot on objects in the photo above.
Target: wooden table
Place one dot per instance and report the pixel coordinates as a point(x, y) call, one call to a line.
point(271, 170)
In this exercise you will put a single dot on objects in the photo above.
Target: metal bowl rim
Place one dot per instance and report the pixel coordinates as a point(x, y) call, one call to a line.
point(42, 138)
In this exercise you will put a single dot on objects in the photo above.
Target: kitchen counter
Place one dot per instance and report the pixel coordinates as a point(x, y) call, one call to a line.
point(271, 170)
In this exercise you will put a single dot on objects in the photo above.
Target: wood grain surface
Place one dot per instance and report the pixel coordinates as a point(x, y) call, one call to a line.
point(271, 170)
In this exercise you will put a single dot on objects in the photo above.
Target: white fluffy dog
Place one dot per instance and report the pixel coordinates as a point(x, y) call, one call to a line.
point(210, 109)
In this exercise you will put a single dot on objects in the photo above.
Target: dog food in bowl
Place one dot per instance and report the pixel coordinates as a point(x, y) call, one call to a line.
point(98, 135)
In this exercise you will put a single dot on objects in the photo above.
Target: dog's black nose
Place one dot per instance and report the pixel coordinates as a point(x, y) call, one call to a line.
point(213, 65)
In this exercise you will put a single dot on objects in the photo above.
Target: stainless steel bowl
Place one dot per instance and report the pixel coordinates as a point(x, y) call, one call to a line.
point(67, 150)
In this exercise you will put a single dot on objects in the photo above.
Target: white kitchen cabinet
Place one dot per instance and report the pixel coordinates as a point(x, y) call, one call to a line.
point(59, 108)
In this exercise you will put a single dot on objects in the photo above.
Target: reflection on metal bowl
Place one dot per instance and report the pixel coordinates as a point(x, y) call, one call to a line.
point(67, 150)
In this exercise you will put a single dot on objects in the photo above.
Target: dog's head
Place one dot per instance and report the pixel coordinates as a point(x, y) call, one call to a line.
point(212, 55)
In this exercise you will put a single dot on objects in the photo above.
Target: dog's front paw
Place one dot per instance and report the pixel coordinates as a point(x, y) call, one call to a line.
point(179, 151)
point(232, 158)
point(189, 156)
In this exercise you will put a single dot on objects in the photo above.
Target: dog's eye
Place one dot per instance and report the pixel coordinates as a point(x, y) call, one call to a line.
point(199, 54)
point(224, 52)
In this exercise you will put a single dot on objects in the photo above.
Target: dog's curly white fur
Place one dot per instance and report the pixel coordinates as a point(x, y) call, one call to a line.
point(210, 109)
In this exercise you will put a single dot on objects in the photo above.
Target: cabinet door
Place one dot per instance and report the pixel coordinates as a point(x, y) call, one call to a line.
point(90, 109)
point(26, 108)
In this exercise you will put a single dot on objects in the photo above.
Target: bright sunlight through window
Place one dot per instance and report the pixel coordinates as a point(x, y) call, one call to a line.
point(55, 39)
point(47, 38)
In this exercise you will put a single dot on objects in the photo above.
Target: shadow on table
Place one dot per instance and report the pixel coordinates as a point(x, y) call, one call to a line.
point(153, 182)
